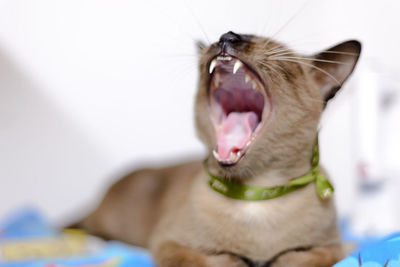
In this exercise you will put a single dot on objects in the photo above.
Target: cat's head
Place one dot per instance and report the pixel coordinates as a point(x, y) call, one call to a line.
point(259, 103)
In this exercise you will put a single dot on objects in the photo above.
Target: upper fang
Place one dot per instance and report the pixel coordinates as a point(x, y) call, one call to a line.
point(212, 66)
point(237, 65)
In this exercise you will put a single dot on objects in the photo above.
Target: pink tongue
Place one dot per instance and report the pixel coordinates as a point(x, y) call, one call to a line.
point(235, 131)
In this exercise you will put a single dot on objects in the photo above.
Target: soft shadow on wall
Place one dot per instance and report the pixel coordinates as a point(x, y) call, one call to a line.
point(42, 151)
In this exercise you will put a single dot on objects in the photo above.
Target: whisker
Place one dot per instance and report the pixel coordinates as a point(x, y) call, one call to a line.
point(180, 45)
point(281, 52)
point(266, 44)
point(292, 43)
point(273, 64)
point(284, 26)
point(178, 72)
point(267, 65)
point(265, 24)
point(339, 53)
point(197, 22)
point(315, 67)
point(322, 52)
point(308, 39)
point(280, 48)
point(162, 13)
point(264, 27)
point(178, 55)
point(277, 49)
point(312, 59)
point(272, 69)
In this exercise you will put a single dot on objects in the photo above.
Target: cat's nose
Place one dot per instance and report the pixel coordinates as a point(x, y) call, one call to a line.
point(229, 38)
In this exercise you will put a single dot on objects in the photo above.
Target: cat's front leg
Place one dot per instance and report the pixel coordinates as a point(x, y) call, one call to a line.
point(171, 254)
point(324, 256)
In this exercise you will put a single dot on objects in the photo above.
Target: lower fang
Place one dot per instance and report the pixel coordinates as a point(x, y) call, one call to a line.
point(246, 78)
point(255, 85)
point(233, 156)
point(216, 156)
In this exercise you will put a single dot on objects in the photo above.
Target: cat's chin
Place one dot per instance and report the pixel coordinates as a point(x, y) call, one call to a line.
point(239, 107)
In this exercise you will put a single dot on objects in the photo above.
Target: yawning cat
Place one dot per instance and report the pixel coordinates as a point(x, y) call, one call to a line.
point(260, 197)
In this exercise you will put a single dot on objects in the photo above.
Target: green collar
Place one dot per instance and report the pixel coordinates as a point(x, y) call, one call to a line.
point(253, 193)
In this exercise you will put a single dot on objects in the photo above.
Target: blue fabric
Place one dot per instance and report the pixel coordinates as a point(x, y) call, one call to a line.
point(384, 253)
point(25, 222)
point(27, 226)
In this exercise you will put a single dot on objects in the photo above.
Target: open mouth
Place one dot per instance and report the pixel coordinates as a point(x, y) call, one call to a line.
point(239, 107)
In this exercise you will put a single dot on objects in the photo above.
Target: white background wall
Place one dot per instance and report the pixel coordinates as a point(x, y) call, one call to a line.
point(90, 89)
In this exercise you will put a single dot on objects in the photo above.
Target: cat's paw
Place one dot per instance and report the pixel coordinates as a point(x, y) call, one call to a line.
point(314, 257)
point(223, 260)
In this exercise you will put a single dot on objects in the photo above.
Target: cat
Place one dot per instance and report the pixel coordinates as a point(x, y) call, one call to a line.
point(257, 111)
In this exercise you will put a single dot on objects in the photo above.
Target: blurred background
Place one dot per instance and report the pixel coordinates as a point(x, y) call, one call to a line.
point(91, 89)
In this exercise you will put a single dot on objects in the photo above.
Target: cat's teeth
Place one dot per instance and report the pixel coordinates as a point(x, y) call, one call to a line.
point(212, 66)
point(255, 86)
point(233, 156)
point(224, 58)
point(246, 78)
point(237, 65)
point(216, 156)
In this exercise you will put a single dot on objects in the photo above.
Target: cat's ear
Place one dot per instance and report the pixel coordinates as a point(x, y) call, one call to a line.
point(334, 65)
point(200, 46)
